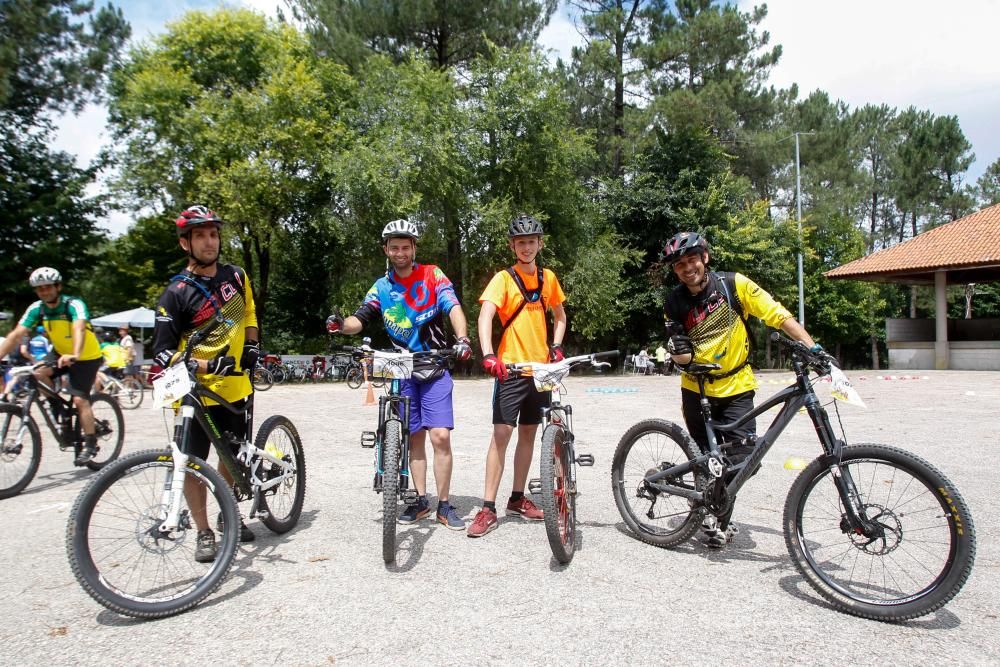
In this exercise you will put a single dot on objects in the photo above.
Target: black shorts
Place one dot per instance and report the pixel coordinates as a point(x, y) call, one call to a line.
point(518, 396)
point(81, 376)
point(235, 422)
point(724, 411)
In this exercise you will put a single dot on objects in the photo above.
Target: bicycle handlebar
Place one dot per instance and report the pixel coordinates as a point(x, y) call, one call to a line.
point(818, 361)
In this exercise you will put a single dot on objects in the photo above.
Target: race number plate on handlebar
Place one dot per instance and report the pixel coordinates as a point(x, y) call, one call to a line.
point(171, 386)
point(392, 364)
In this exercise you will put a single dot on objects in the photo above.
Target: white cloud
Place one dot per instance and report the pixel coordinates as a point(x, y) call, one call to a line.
point(897, 52)
point(560, 36)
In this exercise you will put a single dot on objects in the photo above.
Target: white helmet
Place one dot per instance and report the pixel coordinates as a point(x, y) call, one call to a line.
point(44, 276)
point(400, 229)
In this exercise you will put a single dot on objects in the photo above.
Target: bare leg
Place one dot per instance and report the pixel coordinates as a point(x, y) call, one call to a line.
point(441, 441)
point(86, 413)
point(522, 454)
point(495, 460)
point(195, 494)
point(418, 461)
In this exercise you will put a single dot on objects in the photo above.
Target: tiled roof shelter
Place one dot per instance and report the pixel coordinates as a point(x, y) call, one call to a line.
point(957, 253)
point(967, 250)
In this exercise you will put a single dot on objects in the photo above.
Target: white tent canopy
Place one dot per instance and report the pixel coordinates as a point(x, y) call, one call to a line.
point(137, 317)
point(141, 318)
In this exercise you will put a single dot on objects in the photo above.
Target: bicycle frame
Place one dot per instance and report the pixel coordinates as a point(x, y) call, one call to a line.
point(36, 389)
point(393, 405)
point(792, 399)
point(244, 465)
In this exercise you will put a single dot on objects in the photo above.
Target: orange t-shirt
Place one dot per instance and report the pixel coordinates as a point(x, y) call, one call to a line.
point(525, 338)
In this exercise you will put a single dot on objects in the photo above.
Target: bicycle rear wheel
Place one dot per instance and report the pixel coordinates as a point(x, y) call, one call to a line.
point(648, 447)
point(558, 493)
point(278, 437)
point(130, 395)
point(355, 377)
point(18, 459)
point(109, 426)
point(262, 380)
point(922, 555)
point(119, 555)
point(391, 453)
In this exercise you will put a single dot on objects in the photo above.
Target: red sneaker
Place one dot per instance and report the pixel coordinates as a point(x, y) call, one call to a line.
point(485, 522)
point(526, 509)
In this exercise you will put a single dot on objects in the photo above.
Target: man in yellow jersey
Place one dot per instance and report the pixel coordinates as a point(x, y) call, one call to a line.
point(216, 300)
point(67, 322)
point(520, 296)
point(705, 318)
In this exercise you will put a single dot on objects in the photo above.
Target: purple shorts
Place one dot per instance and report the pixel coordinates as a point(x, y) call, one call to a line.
point(430, 403)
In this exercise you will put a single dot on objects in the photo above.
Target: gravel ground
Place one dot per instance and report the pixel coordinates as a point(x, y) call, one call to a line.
point(321, 593)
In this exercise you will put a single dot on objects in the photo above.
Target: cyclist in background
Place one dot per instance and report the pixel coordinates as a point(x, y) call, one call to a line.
point(412, 299)
point(706, 321)
point(67, 322)
point(520, 296)
point(39, 347)
point(216, 300)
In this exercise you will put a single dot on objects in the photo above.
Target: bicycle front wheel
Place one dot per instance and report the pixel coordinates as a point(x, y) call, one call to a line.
point(655, 517)
point(558, 493)
point(109, 426)
point(120, 556)
point(20, 450)
point(392, 445)
point(921, 555)
point(279, 438)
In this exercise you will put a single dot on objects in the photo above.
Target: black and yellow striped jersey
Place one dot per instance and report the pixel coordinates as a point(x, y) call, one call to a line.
point(712, 320)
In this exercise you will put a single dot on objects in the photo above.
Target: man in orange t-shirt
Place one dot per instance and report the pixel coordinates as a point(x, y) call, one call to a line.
point(520, 295)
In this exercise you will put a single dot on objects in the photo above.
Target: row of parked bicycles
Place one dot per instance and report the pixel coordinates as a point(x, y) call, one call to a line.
point(340, 367)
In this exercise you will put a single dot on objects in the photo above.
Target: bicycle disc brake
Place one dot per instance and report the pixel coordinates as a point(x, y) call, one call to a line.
point(886, 534)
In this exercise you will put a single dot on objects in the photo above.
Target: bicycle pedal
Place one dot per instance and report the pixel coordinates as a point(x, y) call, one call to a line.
point(368, 439)
point(409, 497)
point(585, 460)
point(535, 486)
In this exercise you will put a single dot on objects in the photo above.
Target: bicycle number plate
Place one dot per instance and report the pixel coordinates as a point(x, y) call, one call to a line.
point(392, 364)
point(171, 386)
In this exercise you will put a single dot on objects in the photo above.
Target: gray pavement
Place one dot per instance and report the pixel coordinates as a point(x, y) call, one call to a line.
point(321, 593)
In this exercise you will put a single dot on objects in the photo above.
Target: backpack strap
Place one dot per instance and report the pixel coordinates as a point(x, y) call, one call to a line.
point(526, 297)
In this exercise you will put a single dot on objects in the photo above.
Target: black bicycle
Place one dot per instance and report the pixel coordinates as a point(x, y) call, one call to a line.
point(132, 531)
point(877, 531)
point(21, 440)
point(391, 439)
point(558, 458)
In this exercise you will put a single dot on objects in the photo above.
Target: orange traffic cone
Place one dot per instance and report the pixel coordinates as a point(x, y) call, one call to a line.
point(369, 394)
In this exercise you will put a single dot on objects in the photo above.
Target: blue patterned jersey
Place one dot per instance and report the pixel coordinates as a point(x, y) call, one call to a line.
point(412, 308)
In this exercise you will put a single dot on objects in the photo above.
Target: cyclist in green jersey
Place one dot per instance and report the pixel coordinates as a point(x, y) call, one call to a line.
point(67, 323)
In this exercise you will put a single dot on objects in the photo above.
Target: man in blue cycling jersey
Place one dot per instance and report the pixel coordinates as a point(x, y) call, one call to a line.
point(412, 299)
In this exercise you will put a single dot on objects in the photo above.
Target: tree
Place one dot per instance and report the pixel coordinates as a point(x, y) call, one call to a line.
point(234, 111)
point(988, 185)
point(50, 62)
point(450, 33)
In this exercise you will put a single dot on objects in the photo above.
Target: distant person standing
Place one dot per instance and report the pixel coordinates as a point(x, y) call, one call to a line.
point(39, 347)
point(661, 359)
point(128, 345)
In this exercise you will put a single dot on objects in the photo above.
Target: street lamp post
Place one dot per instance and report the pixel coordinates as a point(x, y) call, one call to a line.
point(798, 203)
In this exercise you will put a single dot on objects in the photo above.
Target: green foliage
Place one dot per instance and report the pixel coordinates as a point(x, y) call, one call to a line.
point(988, 185)
point(448, 34)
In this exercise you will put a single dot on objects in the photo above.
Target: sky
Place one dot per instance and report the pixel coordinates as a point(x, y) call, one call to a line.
point(896, 52)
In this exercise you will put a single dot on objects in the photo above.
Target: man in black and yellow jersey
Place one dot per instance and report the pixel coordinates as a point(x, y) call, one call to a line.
point(705, 321)
point(216, 300)
point(67, 322)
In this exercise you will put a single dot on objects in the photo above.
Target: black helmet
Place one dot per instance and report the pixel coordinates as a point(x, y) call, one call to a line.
point(524, 225)
point(684, 243)
point(196, 216)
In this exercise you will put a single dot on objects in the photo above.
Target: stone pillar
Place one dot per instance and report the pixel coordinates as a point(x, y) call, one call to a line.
point(940, 321)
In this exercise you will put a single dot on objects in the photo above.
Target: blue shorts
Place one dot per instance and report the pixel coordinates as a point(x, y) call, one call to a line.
point(430, 403)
